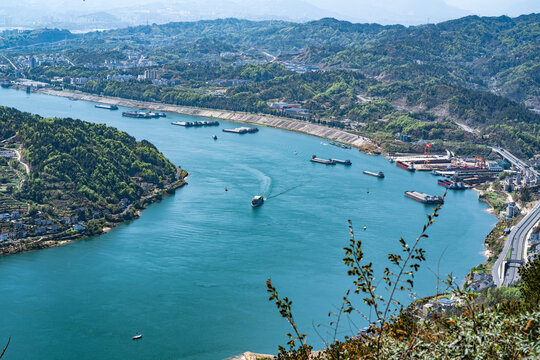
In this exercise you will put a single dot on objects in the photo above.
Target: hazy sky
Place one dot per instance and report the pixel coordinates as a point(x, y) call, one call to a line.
point(36, 13)
point(481, 7)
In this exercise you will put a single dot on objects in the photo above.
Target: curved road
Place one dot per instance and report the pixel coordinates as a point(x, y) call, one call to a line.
point(516, 242)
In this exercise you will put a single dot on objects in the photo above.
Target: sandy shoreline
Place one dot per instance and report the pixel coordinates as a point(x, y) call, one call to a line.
point(264, 120)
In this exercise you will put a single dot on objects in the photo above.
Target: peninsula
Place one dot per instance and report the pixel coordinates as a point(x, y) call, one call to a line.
point(63, 179)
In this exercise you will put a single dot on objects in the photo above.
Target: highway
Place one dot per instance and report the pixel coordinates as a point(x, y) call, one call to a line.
point(516, 243)
point(515, 161)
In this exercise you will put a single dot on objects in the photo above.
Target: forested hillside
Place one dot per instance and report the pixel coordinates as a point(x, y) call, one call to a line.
point(500, 54)
point(78, 165)
point(470, 80)
point(94, 163)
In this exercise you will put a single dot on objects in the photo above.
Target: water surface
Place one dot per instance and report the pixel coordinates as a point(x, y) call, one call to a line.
point(190, 273)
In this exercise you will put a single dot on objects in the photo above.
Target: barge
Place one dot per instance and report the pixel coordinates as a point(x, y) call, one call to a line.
point(379, 174)
point(453, 185)
point(424, 198)
point(403, 165)
point(135, 114)
point(142, 114)
point(106, 106)
point(340, 144)
point(314, 158)
point(196, 123)
point(344, 162)
point(242, 130)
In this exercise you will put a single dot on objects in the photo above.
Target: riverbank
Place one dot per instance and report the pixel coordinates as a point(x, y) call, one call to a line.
point(263, 120)
point(131, 212)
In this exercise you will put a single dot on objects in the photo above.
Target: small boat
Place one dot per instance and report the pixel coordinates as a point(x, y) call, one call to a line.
point(379, 174)
point(214, 137)
point(137, 337)
point(257, 201)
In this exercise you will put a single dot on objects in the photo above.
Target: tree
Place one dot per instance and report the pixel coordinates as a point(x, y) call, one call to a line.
point(530, 283)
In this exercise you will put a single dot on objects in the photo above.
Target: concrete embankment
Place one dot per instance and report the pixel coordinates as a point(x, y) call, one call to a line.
point(264, 120)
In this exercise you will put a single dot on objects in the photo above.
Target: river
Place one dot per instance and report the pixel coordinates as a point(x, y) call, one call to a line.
point(190, 273)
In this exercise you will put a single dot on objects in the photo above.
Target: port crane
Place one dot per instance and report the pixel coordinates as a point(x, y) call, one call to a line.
point(428, 151)
point(480, 163)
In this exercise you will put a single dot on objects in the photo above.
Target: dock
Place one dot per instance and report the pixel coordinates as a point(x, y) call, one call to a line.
point(242, 130)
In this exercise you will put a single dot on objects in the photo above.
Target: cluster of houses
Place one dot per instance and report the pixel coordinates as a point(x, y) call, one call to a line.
point(228, 82)
point(480, 281)
point(288, 108)
point(511, 211)
point(439, 306)
point(521, 179)
point(299, 68)
point(17, 230)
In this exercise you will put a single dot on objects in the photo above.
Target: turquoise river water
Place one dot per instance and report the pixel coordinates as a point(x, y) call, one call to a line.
point(190, 273)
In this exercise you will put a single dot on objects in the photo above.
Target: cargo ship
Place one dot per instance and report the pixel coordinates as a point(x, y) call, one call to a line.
point(341, 145)
point(195, 123)
point(409, 167)
point(379, 174)
point(344, 162)
point(454, 185)
point(106, 106)
point(257, 201)
point(136, 114)
point(424, 198)
point(314, 158)
point(242, 130)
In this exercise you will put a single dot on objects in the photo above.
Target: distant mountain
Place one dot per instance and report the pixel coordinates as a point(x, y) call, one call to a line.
point(188, 10)
point(405, 12)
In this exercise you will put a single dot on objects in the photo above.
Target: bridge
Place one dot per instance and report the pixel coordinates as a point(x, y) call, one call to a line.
point(505, 271)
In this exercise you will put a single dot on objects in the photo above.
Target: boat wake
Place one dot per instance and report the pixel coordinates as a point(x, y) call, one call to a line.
point(265, 181)
point(285, 191)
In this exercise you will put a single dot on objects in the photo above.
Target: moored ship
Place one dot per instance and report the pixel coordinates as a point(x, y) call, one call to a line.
point(408, 167)
point(136, 114)
point(196, 123)
point(424, 198)
point(314, 158)
point(242, 130)
point(344, 162)
point(378, 174)
point(106, 106)
point(453, 185)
